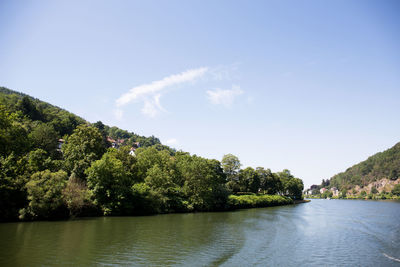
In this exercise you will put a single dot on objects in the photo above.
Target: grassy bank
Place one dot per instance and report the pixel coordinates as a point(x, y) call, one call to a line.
point(257, 201)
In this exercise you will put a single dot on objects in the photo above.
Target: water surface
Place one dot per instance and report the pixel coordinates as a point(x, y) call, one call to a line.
point(319, 233)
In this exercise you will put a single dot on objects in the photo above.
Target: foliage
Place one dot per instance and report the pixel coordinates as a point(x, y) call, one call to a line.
point(111, 185)
point(231, 166)
point(82, 147)
point(45, 195)
point(78, 198)
point(396, 190)
point(252, 201)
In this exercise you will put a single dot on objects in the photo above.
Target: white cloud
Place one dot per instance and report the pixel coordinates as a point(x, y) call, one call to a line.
point(150, 93)
point(171, 142)
point(224, 97)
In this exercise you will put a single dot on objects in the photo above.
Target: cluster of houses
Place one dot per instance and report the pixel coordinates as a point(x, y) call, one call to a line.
point(334, 190)
point(119, 142)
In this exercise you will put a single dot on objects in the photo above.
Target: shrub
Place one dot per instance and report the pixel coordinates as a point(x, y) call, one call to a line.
point(252, 201)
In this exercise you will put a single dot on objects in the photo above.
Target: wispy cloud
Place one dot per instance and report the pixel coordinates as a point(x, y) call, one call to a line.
point(224, 97)
point(151, 93)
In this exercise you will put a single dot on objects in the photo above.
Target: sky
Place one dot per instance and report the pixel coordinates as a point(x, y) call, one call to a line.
point(310, 86)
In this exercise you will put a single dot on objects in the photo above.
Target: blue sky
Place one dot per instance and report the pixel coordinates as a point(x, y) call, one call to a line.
point(312, 86)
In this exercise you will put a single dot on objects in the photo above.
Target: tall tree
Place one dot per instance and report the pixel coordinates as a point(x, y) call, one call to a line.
point(231, 166)
point(82, 147)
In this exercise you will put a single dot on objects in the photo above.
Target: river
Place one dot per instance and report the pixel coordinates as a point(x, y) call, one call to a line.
point(319, 233)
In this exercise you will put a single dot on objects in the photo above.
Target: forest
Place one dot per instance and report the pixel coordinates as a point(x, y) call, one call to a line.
point(56, 165)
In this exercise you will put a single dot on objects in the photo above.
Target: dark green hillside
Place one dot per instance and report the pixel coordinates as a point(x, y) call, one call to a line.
point(54, 164)
point(385, 164)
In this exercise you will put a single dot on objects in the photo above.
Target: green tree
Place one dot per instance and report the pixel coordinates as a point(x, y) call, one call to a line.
point(29, 109)
point(393, 174)
point(82, 147)
point(292, 186)
point(204, 182)
point(249, 180)
point(396, 190)
point(77, 198)
point(45, 196)
point(13, 136)
point(344, 193)
point(231, 166)
point(111, 185)
point(12, 186)
point(45, 137)
point(148, 157)
point(269, 181)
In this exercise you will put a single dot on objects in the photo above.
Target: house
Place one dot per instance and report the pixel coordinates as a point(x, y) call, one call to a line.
point(132, 152)
point(115, 143)
point(335, 192)
point(136, 144)
point(60, 143)
point(323, 190)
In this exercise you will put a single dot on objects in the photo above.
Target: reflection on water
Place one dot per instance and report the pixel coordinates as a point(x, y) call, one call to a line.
point(323, 232)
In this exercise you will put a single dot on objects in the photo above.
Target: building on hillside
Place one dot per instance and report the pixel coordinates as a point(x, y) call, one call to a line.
point(323, 190)
point(136, 144)
point(335, 192)
point(60, 143)
point(132, 152)
point(115, 143)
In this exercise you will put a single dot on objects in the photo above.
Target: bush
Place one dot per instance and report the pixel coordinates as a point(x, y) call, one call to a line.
point(253, 201)
point(45, 196)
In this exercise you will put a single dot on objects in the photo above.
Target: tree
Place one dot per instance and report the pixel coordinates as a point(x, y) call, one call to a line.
point(38, 160)
point(269, 181)
point(393, 175)
point(295, 188)
point(344, 193)
point(148, 157)
point(204, 182)
point(13, 137)
point(292, 186)
point(12, 186)
point(82, 147)
point(29, 109)
point(374, 190)
point(396, 190)
point(249, 180)
point(45, 137)
point(77, 198)
point(45, 196)
point(111, 185)
point(231, 166)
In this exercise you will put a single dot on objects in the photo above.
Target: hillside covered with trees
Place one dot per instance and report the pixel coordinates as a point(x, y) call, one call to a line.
point(363, 178)
point(54, 164)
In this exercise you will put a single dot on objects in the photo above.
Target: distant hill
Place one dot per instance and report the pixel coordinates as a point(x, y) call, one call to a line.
point(382, 165)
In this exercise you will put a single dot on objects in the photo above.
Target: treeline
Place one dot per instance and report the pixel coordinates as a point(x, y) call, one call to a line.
point(85, 177)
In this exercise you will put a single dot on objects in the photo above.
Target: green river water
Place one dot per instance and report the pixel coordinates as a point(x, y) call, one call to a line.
point(319, 233)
